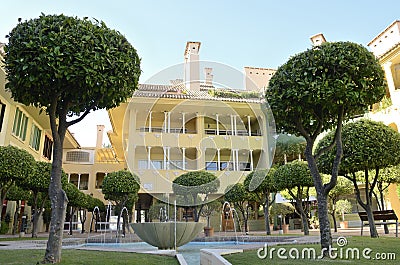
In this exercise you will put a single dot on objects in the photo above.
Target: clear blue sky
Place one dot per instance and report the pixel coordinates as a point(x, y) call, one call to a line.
point(237, 33)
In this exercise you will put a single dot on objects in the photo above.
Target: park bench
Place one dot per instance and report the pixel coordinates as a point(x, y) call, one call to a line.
point(385, 217)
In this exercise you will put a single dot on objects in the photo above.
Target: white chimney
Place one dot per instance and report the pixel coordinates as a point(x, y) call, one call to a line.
point(192, 71)
point(318, 39)
point(208, 76)
point(100, 133)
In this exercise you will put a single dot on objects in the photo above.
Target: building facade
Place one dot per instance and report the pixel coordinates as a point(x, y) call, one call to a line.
point(386, 47)
point(166, 130)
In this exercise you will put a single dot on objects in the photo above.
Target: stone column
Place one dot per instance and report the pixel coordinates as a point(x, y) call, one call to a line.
point(218, 159)
point(165, 121)
point(165, 157)
point(251, 160)
point(183, 122)
point(148, 157)
point(150, 114)
point(79, 181)
point(217, 116)
point(183, 158)
point(169, 122)
point(249, 125)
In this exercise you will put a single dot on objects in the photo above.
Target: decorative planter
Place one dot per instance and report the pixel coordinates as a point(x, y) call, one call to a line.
point(208, 231)
point(285, 228)
point(344, 224)
point(162, 235)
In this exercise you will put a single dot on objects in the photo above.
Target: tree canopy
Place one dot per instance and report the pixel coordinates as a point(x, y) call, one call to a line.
point(312, 87)
point(295, 178)
point(192, 184)
point(65, 66)
point(80, 64)
point(318, 90)
point(237, 195)
point(368, 147)
point(261, 184)
point(118, 186)
point(15, 164)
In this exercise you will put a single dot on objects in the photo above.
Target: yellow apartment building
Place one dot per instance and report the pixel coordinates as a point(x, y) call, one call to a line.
point(165, 130)
point(386, 47)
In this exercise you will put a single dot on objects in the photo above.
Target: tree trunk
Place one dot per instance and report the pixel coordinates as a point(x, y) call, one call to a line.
point(324, 224)
point(54, 244)
point(266, 217)
point(3, 194)
point(372, 227)
point(334, 220)
point(57, 195)
point(83, 220)
point(35, 222)
point(385, 227)
point(303, 215)
point(36, 215)
point(16, 214)
point(71, 216)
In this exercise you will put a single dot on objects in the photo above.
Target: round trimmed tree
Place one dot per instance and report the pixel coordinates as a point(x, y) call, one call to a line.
point(295, 178)
point(192, 184)
point(239, 197)
point(318, 90)
point(368, 147)
point(15, 164)
point(121, 187)
point(262, 192)
point(68, 66)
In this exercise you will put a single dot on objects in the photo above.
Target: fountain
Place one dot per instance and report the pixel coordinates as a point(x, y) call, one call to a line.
point(167, 235)
point(123, 223)
point(231, 212)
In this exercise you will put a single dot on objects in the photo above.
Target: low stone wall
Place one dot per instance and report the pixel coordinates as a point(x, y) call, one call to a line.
point(214, 256)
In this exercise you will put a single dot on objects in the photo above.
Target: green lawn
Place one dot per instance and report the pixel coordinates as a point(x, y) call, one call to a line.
point(77, 257)
point(22, 238)
point(383, 246)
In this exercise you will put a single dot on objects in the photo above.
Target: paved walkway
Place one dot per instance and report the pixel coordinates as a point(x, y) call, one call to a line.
point(78, 239)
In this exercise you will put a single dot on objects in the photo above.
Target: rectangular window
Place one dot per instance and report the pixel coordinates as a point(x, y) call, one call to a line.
point(47, 147)
point(211, 165)
point(142, 164)
point(20, 124)
point(157, 164)
point(2, 111)
point(36, 134)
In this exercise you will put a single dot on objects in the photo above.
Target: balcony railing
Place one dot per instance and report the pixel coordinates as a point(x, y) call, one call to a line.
point(163, 130)
point(171, 165)
point(229, 132)
point(227, 165)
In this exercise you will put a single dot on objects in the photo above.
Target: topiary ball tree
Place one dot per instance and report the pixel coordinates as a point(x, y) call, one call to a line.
point(15, 164)
point(67, 66)
point(263, 192)
point(121, 187)
point(318, 90)
point(192, 184)
point(295, 178)
point(368, 147)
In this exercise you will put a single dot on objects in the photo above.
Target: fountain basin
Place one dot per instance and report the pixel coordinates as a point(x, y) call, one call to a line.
point(162, 235)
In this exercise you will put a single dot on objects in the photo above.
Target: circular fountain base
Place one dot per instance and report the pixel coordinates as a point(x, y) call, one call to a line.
point(162, 235)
